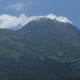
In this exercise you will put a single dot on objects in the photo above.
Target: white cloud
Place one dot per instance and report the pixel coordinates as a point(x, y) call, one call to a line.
point(58, 18)
point(16, 22)
point(19, 6)
point(10, 22)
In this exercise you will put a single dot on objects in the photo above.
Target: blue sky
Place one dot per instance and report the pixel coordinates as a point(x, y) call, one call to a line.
point(68, 8)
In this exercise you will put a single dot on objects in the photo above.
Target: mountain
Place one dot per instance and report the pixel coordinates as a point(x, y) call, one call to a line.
point(41, 50)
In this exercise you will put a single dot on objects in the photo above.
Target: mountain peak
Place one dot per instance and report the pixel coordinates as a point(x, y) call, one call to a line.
point(51, 16)
point(16, 22)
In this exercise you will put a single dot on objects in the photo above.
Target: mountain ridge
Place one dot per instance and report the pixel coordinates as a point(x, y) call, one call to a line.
point(40, 50)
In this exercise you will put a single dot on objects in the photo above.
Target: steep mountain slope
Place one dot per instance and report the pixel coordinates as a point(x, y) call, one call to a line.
point(52, 37)
point(41, 50)
point(53, 30)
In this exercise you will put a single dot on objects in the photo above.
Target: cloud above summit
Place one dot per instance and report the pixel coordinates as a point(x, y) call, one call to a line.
point(15, 22)
point(20, 6)
point(58, 18)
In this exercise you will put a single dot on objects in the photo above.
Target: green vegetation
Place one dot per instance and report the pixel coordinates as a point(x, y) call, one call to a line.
point(44, 50)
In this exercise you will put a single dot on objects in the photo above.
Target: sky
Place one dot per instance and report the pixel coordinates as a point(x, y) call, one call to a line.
point(67, 8)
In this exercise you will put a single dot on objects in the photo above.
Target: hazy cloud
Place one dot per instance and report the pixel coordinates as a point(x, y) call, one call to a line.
point(16, 22)
point(19, 6)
